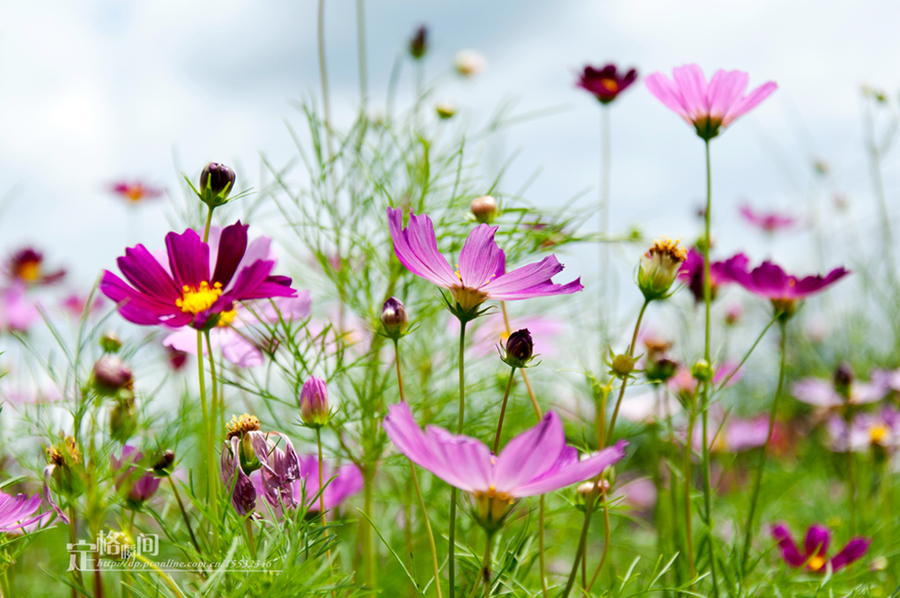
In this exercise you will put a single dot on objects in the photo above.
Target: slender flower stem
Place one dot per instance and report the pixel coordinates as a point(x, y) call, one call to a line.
point(531, 395)
point(704, 402)
point(4, 584)
point(248, 525)
point(688, 523)
point(878, 185)
point(215, 407)
point(605, 170)
point(637, 328)
point(486, 566)
point(209, 215)
point(512, 373)
point(582, 542)
point(321, 481)
point(208, 424)
point(543, 558)
point(757, 484)
point(323, 73)
point(606, 539)
point(746, 357)
point(459, 429)
point(361, 42)
point(184, 515)
point(73, 538)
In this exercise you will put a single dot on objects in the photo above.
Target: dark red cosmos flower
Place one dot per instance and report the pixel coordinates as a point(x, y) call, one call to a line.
point(181, 292)
point(692, 270)
point(26, 266)
point(606, 83)
point(135, 192)
point(815, 548)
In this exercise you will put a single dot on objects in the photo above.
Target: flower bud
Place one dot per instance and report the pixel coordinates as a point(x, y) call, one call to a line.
point(110, 342)
point(734, 313)
point(659, 268)
point(702, 371)
point(394, 318)
point(491, 509)
point(112, 377)
point(242, 427)
point(843, 379)
point(622, 365)
point(314, 402)
point(484, 209)
point(123, 419)
point(164, 464)
point(445, 110)
point(519, 349)
point(661, 369)
point(585, 491)
point(418, 45)
point(216, 179)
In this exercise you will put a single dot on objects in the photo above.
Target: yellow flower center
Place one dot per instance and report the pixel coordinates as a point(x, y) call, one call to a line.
point(238, 426)
point(610, 84)
point(492, 506)
point(226, 318)
point(134, 193)
point(817, 562)
point(29, 270)
point(200, 299)
point(877, 434)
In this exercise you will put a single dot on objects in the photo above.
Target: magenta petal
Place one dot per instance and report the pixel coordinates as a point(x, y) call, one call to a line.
point(45, 492)
point(813, 284)
point(139, 308)
point(530, 454)
point(479, 257)
point(853, 551)
point(409, 439)
point(667, 93)
point(817, 540)
point(692, 84)
point(231, 248)
point(525, 277)
point(725, 88)
point(467, 460)
point(750, 102)
point(349, 481)
point(254, 282)
point(146, 274)
point(789, 550)
point(575, 472)
point(814, 391)
point(188, 258)
point(416, 248)
point(236, 482)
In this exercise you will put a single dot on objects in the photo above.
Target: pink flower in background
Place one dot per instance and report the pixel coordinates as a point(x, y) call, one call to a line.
point(735, 435)
point(693, 271)
point(491, 331)
point(17, 311)
point(17, 511)
point(140, 487)
point(814, 554)
point(684, 382)
point(606, 83)
point(865, 431)
point(830, 395)
point(134, 192)
point(340, 483)
point(768, 221)
point(711, 106)
point(75, 303)
point(772, 282)
point(179, 290)
point(236, 339)
point(26, 266)
point(481, 275)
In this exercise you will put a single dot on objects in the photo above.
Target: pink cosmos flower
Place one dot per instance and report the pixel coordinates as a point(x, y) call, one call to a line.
point(340, 483)
point(16, 511)
point(770, 222)
point(247, 450)
point(179, 291)
point(865, 431)
point(783, 290)
point(606, 83)
point(827, 394)
point(491, 331)
point(134, 192)
point(711, 106)
point(735, 435)
point(75, 303)
point(26, 266)
point(815, 548)
point(140, 488)
point(692, 272)
point(17, 311)
point(534, 462)
point(481, 274)
point(235, 339)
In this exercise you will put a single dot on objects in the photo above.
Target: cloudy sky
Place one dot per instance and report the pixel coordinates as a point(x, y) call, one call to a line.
point(103, 89)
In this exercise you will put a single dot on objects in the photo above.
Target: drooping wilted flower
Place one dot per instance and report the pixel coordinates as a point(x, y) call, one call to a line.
point(135, 192)
point(814, 554)
point(26, 266)
point(606, 83)
point(659, 268)
point(190, 296)
point(709, 107)
point(139, 484)
point(535, 462)
point(314, 402)
point(481, 275)
point(394, 317)
point(783, 290)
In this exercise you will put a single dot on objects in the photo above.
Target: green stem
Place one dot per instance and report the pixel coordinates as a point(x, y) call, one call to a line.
point(582, 542)
point(4, 584)
point(73, 538)
point(321, 481)
point(757, 484)
point(361, 41)
point(215, 407)
point(746, 357)
point(184, 515)
point(637, 327)
point(368, 544)
point(605, 169)
point(543, 559)
point(248, 524)
point(688, 523)
point(486, 566)
point(459, 429)
point(512, 373)
point(323, 73)
point(704, 402)
point(208, 224)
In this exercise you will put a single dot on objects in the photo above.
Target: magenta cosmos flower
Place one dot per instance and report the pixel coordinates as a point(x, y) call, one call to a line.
point(134, 192)
point(769, 222)
point(16, 511)
point(693, 270)
point(711, 106)
point(814, 554)
point(481, 274)
point(866, 431)
point(179, 290)
point(140, 486)
point(534, 462)
point(606, 83)
point(26, 266)
point(783, 290)
point(340, 483)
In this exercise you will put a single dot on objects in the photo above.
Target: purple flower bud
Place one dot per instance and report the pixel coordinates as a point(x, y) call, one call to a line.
point(484, 209)
point(140, 484)
point(418, 45)
point(218, 179)
point(519, 349)
point(843, 378)
point(394, 317)
point(164, 464)
point(112, 375)
point(314, 402)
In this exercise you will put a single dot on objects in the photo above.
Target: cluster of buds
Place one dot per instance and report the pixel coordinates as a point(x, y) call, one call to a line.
point(484, 209)
point(519, 349)
point(659, 268)
point(314, 402)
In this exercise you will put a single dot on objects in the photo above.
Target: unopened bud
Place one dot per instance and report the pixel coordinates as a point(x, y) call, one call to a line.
point(661, 369)
point(314, 402)
point(217, 179)
point(734, 313)
point(484, 209)
point(622, 365)
point(469, 63)
point(659, 268)
point(394, 317)
point(843, 379)
point(445, 110)
point(110, 342)
point(123, 419)
point(587, 491)
point(702, 371)
point(163, 466)
point(112, 377)
point(418, 45)
point(519, 349)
